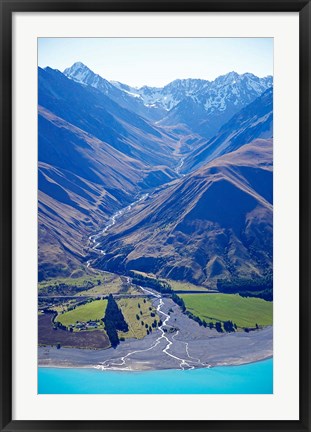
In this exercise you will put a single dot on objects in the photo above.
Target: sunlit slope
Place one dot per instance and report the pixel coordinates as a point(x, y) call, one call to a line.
point(215, 223)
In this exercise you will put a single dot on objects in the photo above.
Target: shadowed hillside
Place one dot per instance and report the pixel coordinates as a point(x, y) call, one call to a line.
point(254, 121)
point(94, 158)
point(215, 223)
point(100, 149)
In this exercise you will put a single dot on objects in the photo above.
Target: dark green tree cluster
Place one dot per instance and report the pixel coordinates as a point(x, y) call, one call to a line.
point(218, 327)
point(196, 319)
point(114, 320)
point(61, 326)
point(256, 287)
point(65, 289)
point(50, 311)
point(179, 301)
point(229, 326)
point(158, 285)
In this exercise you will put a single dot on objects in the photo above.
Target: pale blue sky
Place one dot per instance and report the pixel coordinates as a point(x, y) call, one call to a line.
point(158, 61)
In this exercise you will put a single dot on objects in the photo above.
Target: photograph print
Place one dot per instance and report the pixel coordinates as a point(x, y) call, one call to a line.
point(155, 215)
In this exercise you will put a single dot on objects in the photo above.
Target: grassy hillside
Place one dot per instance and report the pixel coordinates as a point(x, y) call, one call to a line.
point(81, 281)
point(94, 158)
point(243, 311)
point(95, 284)
point(215, 223)
point(185, 286)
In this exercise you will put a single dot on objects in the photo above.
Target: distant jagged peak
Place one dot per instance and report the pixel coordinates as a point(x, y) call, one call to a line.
point(234, 78)
point(202, 105)
point(51, 70)
point(186, 82)
point(82, 74)
point(76, 66)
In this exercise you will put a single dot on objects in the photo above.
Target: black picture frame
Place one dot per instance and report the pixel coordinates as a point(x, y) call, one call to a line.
point(7, 9)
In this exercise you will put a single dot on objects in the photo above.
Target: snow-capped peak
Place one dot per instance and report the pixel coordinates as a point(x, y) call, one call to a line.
point(76, 68)
point(78, 65)
point(197, 100)
point(80, 73)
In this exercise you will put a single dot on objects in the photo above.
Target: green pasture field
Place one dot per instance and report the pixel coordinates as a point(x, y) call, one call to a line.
point(94, 310)
point(243, 311)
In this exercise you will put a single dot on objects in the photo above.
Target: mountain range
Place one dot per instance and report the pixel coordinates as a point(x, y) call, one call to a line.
point(94, 157)
point(201, 105)
point(201, 149)
point(253, 121)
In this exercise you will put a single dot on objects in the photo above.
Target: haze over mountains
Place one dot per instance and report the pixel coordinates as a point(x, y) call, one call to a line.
point(201, 105)
point(102, 144)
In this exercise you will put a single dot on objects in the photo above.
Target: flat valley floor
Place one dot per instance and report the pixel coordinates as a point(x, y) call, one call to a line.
point(184, 345)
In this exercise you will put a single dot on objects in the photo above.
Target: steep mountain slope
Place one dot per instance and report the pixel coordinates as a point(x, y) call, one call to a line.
point(219, 94)
point(98, 152)
point(83, 177)
point(207, 109)
point(172, 94)
point(214, 223)
point(200, 105)
point(252, 122)
point(82, 181)
point(122, 94)
point(92, 111)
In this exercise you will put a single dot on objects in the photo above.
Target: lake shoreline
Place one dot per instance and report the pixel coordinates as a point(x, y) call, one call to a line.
point(59, 366)
point(209, 349)
point(253, 378)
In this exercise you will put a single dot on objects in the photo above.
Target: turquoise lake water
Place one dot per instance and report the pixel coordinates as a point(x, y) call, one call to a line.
point(253, 378)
